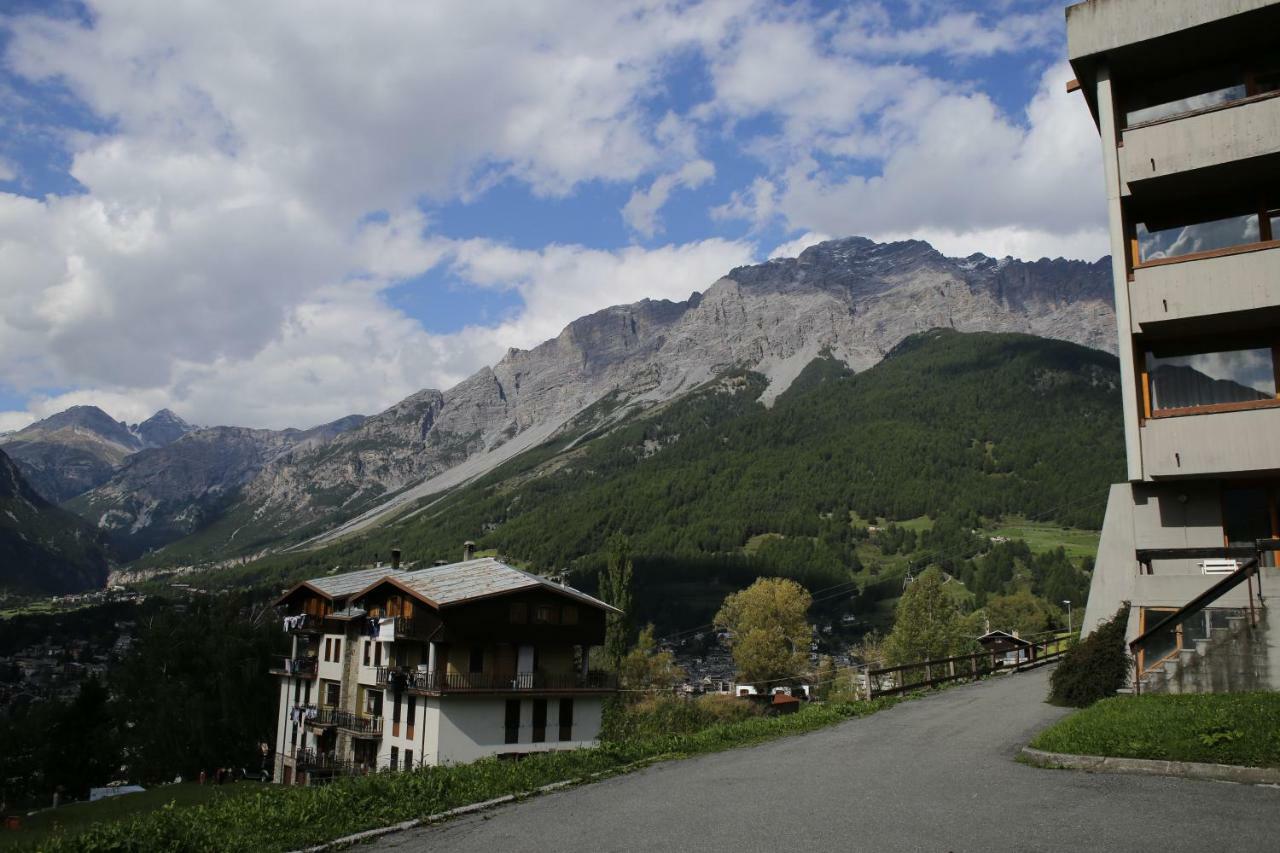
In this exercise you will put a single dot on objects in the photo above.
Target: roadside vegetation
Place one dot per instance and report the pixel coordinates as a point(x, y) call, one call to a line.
point(1215, 728)
point(1096, 667)
point(284, 818)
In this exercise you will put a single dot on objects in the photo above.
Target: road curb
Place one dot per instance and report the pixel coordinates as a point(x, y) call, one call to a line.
point(1149, 767)
point(370, 834)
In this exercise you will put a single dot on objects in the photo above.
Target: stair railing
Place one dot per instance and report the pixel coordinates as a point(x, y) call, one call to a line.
point(1248, 572)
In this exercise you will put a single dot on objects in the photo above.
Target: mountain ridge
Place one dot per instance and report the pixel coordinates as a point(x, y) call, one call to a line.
point(853, 298)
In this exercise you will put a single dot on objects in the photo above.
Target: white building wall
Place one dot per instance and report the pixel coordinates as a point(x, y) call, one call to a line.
point(475, 728)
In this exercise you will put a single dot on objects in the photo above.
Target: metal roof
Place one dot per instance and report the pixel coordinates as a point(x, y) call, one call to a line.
point(337, 586)
point(469, 580)
point(454, 583)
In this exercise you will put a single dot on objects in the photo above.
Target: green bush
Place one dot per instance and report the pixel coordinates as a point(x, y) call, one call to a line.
point(1215, 728)
point(1094, 668)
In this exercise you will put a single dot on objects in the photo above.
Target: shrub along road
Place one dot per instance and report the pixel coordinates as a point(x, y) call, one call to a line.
point(934, 774)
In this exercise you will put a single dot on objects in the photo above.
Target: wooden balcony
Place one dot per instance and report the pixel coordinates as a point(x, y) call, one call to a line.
point(297, 668)
point(595, 681)
point(304, 623)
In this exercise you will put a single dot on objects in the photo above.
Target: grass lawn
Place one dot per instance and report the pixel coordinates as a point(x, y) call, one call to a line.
point(1042, 537)
point(76, 816)
point(754, 543)
point(1215, 728)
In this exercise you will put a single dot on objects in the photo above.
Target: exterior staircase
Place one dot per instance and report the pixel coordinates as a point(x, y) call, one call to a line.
point(1233, 659)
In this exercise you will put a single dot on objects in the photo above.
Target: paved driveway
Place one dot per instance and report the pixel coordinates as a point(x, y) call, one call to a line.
point(934, 774)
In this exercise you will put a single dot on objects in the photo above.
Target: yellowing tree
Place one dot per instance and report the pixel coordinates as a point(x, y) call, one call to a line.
point(769, 634)
point(647, 668)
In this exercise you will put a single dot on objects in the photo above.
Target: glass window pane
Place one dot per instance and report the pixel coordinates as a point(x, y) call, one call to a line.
point(1206, 379)
point(1162, 644)
point(1188, 104)
point(1198, 237)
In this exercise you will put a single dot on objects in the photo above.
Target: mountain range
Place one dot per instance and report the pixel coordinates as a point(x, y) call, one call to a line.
point(183, 493)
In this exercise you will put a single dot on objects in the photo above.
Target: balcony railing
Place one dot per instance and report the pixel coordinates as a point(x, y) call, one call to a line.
point(323, 717)
point(310, 760)
point(487, 682)
point(1249, 559)
point(359, 724)
point(304, 623)
point(299, 667)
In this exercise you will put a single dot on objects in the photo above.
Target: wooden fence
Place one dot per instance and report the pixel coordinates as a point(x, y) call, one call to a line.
point(904, 678)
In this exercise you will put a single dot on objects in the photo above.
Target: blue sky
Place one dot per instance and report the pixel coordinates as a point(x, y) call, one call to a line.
point(277, 214)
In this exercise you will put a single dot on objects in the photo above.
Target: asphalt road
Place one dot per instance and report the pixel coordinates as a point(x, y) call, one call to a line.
point(934, 774)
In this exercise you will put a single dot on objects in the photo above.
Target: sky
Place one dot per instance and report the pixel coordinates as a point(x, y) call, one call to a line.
point(275, 214)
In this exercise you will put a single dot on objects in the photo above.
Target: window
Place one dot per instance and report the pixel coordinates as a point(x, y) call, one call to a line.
point(331, 693)
point(373, 703)
point(569, 616)
point(408, 759)
point(395, 708)
point(413, 708)
point(519, 613)
point(512, 721)
point(377, 654)
point(477, 660)
point(1189, 238)
point(539, 720)
point(395, 758)
point(545, 614)
point(306, 694)
point(1200, 89)
point(297, 691)
point(328, 649)
point(566, 719)
point(1179, 380)
point(366, 651)
point(337, 649)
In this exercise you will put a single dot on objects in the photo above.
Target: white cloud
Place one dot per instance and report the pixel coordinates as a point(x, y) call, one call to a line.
point(641, 210)
point(561, 283)
point(792, 248)
point(949, 162)
point(262, 180)
point(7, 171)
point(344, 350)
point(954, 34)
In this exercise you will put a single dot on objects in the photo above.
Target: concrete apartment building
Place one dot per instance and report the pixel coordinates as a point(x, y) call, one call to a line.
point(1186, 97)
point(393, 669)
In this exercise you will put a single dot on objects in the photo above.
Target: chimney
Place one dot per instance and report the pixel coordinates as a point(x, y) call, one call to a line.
point(395, 559)
point(468, 550)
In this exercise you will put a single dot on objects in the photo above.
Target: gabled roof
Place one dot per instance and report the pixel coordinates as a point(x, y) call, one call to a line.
point(1002, 636)
point(470, 580)
point(342, 586)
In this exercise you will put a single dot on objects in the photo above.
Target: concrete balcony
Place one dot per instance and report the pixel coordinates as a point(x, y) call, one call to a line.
point(1221, 443)
point(1217, 136)
point(1244, 278)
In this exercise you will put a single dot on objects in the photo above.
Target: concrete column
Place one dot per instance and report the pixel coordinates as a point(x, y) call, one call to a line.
point(1110, 134)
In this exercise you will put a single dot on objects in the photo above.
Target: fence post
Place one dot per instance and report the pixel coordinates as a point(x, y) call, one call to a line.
point(951, 668)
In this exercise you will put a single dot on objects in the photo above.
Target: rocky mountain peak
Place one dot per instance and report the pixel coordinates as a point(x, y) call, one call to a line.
point(164, 427)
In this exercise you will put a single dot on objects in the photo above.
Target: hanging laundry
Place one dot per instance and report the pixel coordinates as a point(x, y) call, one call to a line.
point(387, 630)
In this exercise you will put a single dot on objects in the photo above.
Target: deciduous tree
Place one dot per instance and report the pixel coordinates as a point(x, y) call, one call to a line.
point(769, 634)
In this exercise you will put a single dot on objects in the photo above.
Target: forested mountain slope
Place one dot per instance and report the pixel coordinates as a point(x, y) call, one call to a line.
point(949, 424)
point(44, 549)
